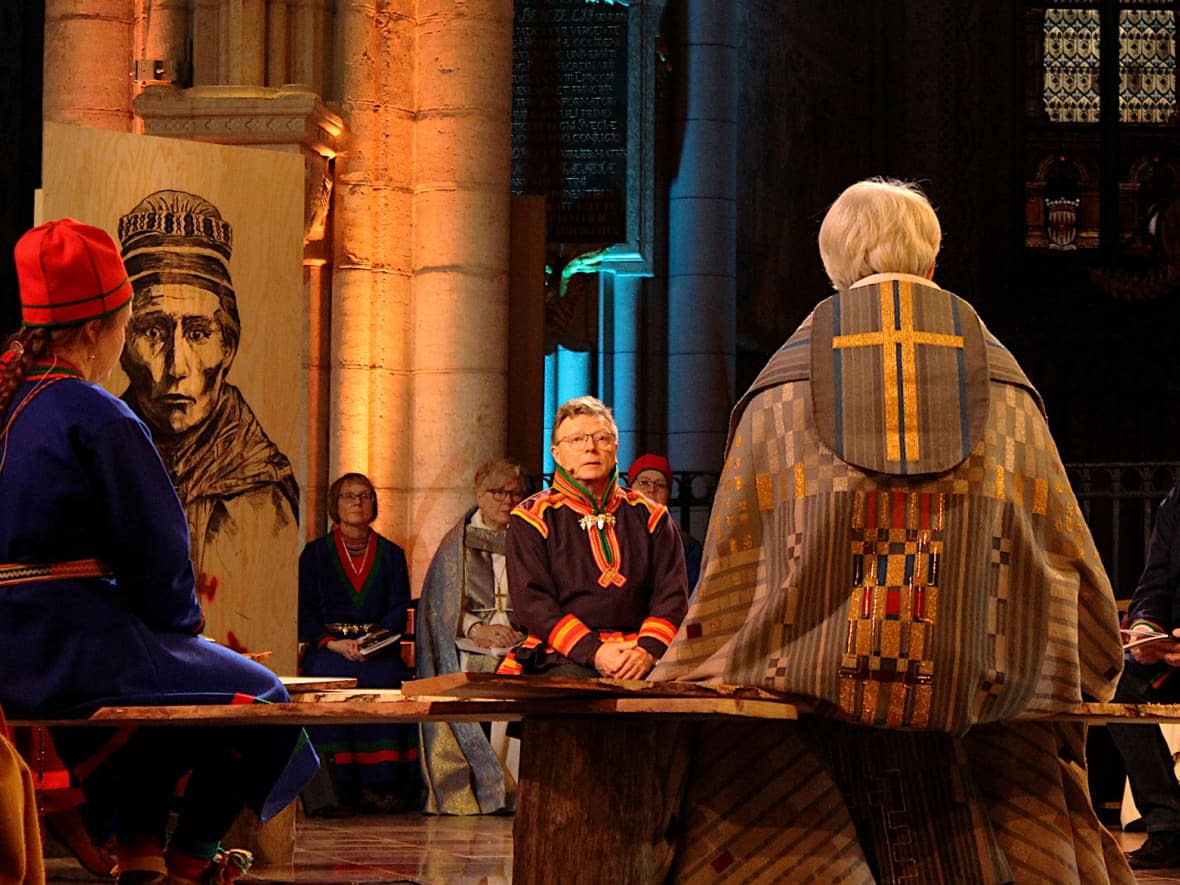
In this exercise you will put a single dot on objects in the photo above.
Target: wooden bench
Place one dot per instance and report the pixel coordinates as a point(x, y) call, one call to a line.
point(576, 736)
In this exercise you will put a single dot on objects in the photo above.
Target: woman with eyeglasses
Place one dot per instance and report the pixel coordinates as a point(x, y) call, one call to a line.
point(353, 588)
point(595, 571)
point(651, 475)
point(465, 624)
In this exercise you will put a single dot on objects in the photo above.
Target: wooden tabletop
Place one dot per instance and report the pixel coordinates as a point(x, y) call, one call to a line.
point(466, 697)
point(483, 697)
point(300, 684)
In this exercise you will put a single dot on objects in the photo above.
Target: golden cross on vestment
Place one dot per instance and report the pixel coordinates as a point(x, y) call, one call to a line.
point(898, 340)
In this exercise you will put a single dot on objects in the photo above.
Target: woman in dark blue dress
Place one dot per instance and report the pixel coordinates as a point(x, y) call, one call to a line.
point(352, 582)
point(97, 598)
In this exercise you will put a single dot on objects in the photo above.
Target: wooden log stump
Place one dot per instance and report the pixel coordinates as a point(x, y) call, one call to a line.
point(597, 799)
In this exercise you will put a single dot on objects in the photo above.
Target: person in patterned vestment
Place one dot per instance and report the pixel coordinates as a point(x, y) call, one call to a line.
point(895, 540)
point(465, 597)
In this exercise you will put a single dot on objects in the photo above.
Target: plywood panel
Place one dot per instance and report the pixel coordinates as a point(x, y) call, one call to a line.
point(237, 488)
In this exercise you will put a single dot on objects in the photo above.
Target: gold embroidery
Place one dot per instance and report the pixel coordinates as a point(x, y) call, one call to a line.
point(864, 637)
point(894, 716)
point(848, 695)
point(858, 509)
point(999, 483)
point(917, 640)
point(898, 333)
point(896, 551)
point(868, 703)
point(891, 639)
point(920, 717)
point(765, 486)
point(1040, 504)
point(800, 481)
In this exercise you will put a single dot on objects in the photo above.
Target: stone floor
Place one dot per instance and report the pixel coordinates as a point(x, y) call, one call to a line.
point(415, 848)
point(1131, 841)
point(428, 849)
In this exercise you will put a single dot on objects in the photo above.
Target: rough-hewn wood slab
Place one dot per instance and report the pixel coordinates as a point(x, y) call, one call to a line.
point(1123, 714)
point(350, 708)
point(489, 685)
point(353, 706)
point(476, 697)
point(300, 684)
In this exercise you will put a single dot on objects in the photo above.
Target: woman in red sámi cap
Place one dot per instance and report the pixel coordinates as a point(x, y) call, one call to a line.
point(97, 597)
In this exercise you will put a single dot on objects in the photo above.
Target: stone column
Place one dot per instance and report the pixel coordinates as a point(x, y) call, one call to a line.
point(88, 63)
point(278, 49)
point(310, 45)
point(458, 360)
point(163, 32)
point(206, 42)
point(370, 428)
point(627, 390)
point(243, 42)
point(702, 242)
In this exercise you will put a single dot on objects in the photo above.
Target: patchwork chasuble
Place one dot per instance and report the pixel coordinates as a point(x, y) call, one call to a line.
point(883, 429)
point(894, 538)
point(899, 385)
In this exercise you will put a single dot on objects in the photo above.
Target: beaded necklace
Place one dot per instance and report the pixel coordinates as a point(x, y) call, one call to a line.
point(357, 550)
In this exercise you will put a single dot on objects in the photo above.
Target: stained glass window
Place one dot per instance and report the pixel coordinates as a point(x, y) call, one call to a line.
point(1147, 65)
point(1071, 65)
point(1147, 62)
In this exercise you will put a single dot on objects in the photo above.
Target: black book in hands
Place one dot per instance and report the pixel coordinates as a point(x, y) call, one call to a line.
point(375, 640)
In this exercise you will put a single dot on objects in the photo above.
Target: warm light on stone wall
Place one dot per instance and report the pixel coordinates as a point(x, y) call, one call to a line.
point(408, 322)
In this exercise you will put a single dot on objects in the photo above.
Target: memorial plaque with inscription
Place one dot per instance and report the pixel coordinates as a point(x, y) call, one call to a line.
point(570, 115)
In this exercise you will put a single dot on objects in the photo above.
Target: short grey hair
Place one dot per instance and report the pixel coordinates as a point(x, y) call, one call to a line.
point(497, 468)
point(582, 405)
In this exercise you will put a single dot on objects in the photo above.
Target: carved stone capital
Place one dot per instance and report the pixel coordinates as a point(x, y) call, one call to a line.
point(291, 117)
point(245, 115)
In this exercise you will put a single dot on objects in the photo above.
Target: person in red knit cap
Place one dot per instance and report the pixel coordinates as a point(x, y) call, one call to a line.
point(97, 599)
point(651, 475)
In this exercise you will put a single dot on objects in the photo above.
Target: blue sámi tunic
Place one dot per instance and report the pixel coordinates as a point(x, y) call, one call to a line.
point(81, 481)
point(376, 593)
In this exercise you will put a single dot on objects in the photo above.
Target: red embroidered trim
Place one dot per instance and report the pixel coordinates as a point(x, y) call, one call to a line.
point(35, 573)
point(356, 577)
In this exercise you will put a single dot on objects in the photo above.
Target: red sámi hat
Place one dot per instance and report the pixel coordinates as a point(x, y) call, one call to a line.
point(650, 462)
point(69, 273)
